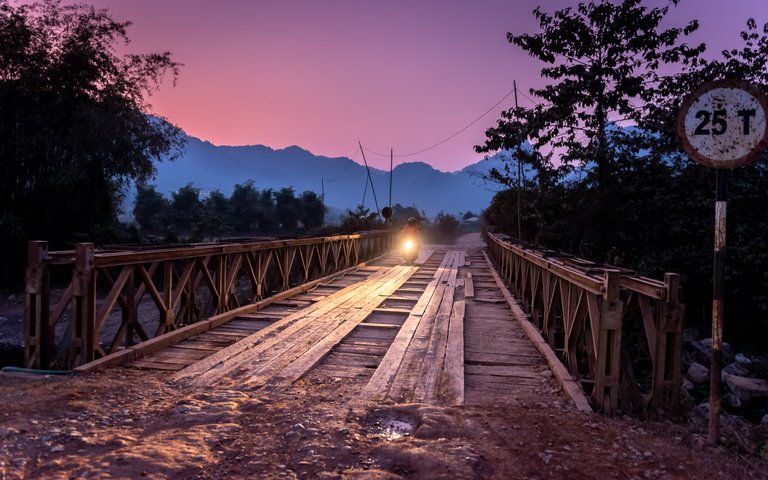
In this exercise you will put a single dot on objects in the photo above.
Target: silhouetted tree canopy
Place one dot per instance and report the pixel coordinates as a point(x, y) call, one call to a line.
point(631, 187)
point(197, 216)
point(75, 124)
point(603, 58)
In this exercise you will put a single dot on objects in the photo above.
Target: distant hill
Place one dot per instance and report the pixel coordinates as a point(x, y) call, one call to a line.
point(211, 167)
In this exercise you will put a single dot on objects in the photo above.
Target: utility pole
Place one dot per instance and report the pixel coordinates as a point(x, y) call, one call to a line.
point(519, 178)
point(369, 178)
point(322, 199)
point(391, 157)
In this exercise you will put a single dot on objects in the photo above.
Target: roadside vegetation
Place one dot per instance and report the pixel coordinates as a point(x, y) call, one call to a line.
point(606, 178)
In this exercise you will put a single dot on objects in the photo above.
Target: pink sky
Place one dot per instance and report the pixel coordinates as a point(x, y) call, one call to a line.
point(325, 74)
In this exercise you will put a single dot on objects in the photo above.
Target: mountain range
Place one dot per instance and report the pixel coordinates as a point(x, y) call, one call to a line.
point(213, 167)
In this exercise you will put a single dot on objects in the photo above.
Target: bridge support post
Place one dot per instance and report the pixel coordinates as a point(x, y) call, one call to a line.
point(608, 368)
point(667, 371)
point(38, 336)
point(84, 338)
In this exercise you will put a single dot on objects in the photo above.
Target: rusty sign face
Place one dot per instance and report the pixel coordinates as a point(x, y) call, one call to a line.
point(723, 124)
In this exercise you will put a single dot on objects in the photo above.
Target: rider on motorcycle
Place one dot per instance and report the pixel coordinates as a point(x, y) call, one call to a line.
point(411, 233)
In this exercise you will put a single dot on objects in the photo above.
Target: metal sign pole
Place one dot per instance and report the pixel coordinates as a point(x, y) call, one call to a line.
point(722, 125)
point(718, 305)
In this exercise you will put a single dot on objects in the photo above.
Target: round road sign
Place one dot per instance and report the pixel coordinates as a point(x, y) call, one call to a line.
point(723, 124)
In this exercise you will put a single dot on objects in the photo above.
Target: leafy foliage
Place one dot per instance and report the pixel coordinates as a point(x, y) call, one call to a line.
point(197, 217)
point(603, 58)
point(446, 228)
point(74, 122)
point(630, 195)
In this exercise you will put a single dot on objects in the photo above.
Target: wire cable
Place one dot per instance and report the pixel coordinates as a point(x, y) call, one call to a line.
point(448, 138)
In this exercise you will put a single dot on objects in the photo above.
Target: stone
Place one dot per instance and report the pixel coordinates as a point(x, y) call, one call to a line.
point(734, 369)
point(747, 388)
point(743, 359)
point(733, 401)
point(698, 374)
point(689, 336)
point(703, 351)
point(688, 385)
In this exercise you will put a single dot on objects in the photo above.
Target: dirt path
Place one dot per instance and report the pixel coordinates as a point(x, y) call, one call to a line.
point(129, 424)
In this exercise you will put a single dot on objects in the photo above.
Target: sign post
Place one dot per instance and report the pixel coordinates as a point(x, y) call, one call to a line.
point(722, 125)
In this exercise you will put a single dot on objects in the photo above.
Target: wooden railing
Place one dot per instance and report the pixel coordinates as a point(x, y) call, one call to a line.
point(117, 298)
point(617, 333)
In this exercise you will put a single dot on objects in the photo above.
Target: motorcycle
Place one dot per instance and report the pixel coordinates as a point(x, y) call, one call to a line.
point(410, 250)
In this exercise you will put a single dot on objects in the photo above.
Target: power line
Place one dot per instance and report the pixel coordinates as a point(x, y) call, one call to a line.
point(448, 138)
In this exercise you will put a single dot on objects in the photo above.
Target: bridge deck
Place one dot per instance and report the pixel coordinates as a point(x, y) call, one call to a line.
point(437, 332)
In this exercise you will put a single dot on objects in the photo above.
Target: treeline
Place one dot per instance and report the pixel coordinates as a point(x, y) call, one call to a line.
point(192, 215)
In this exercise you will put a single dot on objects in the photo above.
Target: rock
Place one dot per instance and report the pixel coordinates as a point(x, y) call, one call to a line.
point(747, 388)
point(764, 421)
point(690, 335)
point(701, 411)
point(734, 369)
point(688, 385)
point(698, 374)
point(57, 449)
point(743, 359)
point(733, 401)
point(703, 351)
point(7, 432)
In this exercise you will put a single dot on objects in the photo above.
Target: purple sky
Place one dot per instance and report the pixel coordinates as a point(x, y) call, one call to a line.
point(325, 74)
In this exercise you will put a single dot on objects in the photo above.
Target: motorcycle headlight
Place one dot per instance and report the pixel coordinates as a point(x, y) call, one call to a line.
point(408, 244)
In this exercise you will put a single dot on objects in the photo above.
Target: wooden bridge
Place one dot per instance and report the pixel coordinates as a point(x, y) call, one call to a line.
point(445, 330)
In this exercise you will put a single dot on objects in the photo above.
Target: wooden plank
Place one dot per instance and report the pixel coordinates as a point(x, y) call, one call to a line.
point(346, 347)
point(452, 382)
point(225, 333)
point(199, 345)
point(378, 342)
point(426, 388)
point(395, 320)
point(496, 382)
point(469, 286)
point(253, 325)
point(338, 371)
point(378, 387)
point(378, 333)
point(267, 336)
point(155, 365)
point(238, 330)
point(404, 383)
point(502, 371)
point(184, 352)
point(293, 367)
point(406, 311)
point(268, 358)
point(567, 383)
point(352, 359)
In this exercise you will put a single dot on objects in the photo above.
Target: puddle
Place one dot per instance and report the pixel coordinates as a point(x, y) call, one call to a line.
point(397, 429)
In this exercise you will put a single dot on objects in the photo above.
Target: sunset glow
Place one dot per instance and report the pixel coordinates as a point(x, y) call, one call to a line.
point(323, 75)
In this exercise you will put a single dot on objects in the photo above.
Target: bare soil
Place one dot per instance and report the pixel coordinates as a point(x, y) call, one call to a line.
point(129, 423)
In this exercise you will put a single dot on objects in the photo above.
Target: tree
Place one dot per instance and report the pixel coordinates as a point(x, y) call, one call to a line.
point(186, 208)
point(75, 124)
point(361, 219)
point(604, 59)
point(244, 207)
point(288, 209)
point(150, 209)
point(446, 227)
point(312, 210)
